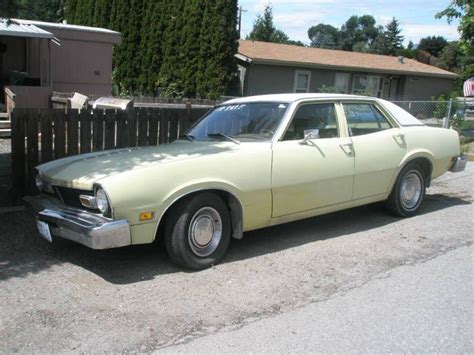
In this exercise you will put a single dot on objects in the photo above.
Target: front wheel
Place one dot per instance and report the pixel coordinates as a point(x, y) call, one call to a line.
point(408, 192)
point(198, 231)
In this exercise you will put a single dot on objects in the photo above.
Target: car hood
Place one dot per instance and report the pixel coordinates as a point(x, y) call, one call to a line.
point(82, 171)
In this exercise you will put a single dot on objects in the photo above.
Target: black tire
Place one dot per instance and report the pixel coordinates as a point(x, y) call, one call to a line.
point(179, 236)
point(396, 202)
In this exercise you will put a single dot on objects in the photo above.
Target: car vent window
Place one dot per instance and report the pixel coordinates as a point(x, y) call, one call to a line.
point(319, 119)
point(363, 118)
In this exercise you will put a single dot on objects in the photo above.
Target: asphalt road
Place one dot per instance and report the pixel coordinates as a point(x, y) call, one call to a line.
point(409, 280)
point(427, 307)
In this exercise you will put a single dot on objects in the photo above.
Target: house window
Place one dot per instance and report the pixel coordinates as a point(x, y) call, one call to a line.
point(342, 83)
point(302, 80)
point(370, 85)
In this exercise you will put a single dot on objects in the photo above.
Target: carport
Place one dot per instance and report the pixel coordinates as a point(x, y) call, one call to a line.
point(25, 63)
point(17, 65)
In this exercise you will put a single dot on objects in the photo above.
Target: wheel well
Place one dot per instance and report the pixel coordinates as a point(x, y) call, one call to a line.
point(232, 202)
point(427, 167)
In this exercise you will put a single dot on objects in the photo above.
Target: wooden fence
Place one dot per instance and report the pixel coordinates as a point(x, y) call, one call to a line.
point(41, 135)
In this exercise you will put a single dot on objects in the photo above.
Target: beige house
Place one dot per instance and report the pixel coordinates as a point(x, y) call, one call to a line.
point(267, 68)
point(37, 58)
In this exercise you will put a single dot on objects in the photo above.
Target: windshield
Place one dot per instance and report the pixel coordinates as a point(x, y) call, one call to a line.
point(249, 121)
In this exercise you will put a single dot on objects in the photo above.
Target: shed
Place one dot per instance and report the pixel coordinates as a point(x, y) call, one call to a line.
point(38, 57)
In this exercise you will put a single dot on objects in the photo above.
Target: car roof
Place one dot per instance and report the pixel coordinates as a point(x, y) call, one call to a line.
point(289, 98)
point(401, 116)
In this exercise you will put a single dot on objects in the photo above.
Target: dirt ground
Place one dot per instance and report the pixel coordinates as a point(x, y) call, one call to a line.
point(70, 298)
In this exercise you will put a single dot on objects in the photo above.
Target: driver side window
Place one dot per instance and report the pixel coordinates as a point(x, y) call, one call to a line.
point(319, 119)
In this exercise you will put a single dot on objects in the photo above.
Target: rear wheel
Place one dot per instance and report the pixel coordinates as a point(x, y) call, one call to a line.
point(408, 192)
point(198, 230)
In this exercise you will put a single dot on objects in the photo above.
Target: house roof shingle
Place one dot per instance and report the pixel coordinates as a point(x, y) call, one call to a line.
point(285, 54)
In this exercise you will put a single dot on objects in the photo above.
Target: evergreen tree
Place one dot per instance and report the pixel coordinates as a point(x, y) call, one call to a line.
point(205, 50)
point(150, 46)
point(409, 51)
point(119, 15)
point(171, 67)
point(264, 30)
point(171, 48)
point(128, 70)
point(70, 12)
point(222, 67)
point(119, 22)
point(189, 55)
point(9, 9)
point(392, 38)
point(102, 13)
point(44, 10)
point(390, 42)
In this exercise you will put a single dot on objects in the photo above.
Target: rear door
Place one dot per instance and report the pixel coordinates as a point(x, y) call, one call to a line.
point(317, 173)
point(379, 147)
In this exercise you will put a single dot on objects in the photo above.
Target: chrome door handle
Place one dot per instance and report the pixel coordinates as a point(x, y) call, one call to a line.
point(347, 148)
point(399, 138)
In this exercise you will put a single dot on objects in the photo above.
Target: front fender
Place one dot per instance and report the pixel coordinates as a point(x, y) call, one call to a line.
point(235, 201)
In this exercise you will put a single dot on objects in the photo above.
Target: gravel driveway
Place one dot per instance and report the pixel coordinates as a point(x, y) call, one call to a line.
point(71, 298)
point(5, 149)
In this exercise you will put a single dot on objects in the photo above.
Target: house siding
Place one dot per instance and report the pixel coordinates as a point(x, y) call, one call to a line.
point(267, 79)
point(423, 88)
point(274, 79)
point(82, 63)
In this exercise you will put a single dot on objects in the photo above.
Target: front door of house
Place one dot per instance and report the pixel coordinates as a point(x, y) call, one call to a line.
point(393, 90)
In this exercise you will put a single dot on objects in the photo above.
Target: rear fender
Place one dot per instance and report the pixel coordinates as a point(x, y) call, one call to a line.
point(419, 153)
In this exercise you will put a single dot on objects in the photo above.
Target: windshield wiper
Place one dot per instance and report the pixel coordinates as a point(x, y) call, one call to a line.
point(222, 135)
point(189, 137)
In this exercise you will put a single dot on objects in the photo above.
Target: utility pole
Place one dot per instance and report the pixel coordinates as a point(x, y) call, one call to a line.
point(241, 9)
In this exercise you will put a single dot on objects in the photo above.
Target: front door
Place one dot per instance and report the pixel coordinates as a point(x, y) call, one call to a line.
point(393, 89)
point(314, 174)
point(379, 148)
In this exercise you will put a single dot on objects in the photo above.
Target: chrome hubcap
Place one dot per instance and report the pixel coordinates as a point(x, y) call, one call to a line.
point(205, 231)
point(411, 190)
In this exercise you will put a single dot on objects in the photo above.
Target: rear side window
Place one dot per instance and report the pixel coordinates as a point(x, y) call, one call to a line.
point(319, 119)
point(364, 118)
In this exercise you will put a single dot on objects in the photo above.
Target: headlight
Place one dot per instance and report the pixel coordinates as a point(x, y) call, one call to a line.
point(39, 183)
point(101, 200)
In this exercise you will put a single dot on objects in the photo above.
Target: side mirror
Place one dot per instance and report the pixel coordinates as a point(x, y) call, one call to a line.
point(310, 134)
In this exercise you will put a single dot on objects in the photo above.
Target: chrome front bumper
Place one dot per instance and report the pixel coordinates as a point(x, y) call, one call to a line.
point(89, 229)
point(459, 164)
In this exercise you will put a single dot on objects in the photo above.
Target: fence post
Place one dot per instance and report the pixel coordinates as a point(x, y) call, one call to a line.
point(448, 114)
point(18, 156)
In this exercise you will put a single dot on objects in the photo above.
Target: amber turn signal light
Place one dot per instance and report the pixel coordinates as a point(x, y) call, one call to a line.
point(146, 216)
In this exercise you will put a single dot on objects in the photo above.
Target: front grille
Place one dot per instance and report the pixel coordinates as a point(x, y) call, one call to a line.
point(70, 197)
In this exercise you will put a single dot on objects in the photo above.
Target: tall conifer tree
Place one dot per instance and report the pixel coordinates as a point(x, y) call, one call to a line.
point(190, 44)
point(180, 46)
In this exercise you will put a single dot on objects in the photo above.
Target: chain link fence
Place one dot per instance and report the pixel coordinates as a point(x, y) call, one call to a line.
point(431, 113)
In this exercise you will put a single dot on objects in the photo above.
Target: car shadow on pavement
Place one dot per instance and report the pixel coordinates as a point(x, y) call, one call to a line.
point(22, 252)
